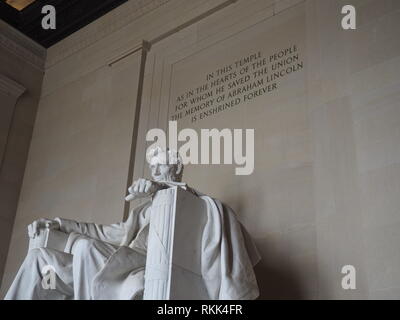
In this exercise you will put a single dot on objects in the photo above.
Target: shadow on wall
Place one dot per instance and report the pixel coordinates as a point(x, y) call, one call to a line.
point(276, 278)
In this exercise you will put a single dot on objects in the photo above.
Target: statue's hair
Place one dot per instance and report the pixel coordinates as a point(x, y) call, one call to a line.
point(173, 156)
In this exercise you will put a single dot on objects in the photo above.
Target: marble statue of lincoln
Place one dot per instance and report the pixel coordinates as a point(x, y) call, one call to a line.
point(108, 261)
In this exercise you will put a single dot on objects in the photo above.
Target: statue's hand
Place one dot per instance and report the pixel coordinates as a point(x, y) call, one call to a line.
point(35, 227)
point(142, 188)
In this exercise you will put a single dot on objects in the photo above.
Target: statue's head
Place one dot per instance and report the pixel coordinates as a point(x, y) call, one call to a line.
point(165, 165)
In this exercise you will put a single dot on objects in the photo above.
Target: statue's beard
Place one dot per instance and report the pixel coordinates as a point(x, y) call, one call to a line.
point(166, 177)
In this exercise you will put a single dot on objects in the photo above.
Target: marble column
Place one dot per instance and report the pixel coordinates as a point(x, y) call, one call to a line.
point(10, 91)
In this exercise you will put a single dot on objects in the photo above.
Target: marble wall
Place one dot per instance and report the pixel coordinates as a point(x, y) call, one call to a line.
point(324, 190)
point(318, 136)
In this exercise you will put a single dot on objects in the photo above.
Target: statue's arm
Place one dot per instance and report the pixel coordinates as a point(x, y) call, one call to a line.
point(113, 233)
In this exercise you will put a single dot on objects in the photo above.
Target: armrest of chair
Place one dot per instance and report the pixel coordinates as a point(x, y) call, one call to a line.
point(49, 238)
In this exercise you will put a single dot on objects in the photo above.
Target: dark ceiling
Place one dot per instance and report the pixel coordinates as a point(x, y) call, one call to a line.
point(71, 15)
point(19, 4)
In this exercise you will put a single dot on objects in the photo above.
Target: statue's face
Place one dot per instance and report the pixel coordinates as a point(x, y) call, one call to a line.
point(161, 171)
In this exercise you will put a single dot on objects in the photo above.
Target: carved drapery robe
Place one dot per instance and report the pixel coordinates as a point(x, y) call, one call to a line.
point(227, 261)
